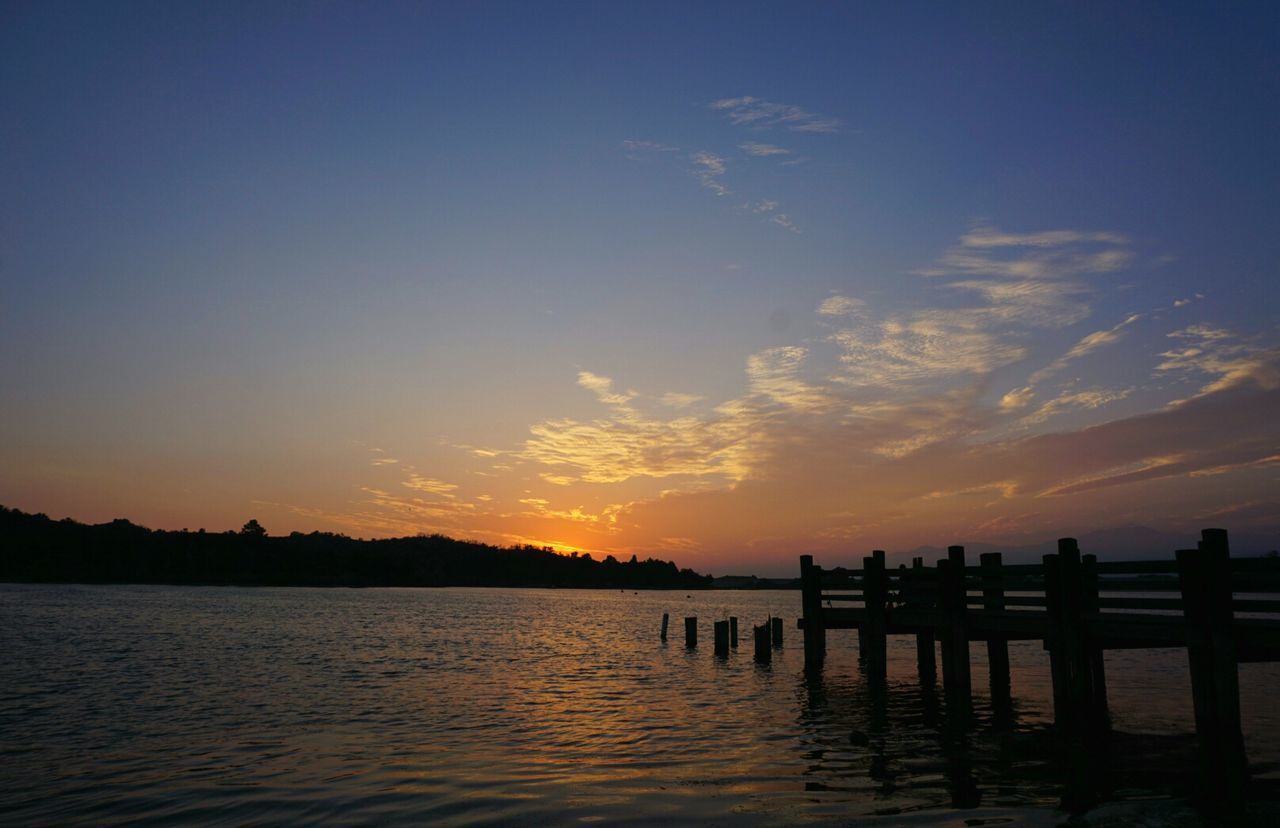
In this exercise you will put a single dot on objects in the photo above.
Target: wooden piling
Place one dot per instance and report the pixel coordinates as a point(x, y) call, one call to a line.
point(1205, 578)
point(665, 619)
point(997, 647)
point(815, 633)
point(776, 624)
point(764, 652)
point(1073, 638)
point(1059, 672)
point(691, 631)
point(955, 638)
point(733, 631)
point(875, 594)
point(920, 595)
point(721, 630)
point(1098, 713)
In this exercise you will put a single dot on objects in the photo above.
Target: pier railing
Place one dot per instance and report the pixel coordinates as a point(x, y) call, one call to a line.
point(1202, 601)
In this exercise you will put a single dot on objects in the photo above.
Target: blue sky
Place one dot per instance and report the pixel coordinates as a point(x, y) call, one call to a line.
point(615, 278)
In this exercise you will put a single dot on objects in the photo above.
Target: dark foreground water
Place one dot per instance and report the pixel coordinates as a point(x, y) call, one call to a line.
point(172, 704)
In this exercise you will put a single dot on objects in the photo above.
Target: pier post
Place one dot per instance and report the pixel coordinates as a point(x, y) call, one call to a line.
point(776, 624)
point(875, 594)
point(1099, 714)
point(691, 631)
point(665, 618)
point(1060, 673)
point(721, 629)
point(1074, 638)
point(815, 633)
point(1205, 578)
point(997, 647)
point(955, 633)
point(733, 631)
point(764, 653)
point(920, 595)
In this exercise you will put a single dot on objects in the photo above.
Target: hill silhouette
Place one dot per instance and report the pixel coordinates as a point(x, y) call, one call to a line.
point(36, 548)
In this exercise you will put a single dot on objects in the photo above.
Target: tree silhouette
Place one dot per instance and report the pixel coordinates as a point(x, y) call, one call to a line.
point(253, 529)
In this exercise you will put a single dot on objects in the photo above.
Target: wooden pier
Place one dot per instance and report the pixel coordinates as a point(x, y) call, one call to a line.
point(1078, 607)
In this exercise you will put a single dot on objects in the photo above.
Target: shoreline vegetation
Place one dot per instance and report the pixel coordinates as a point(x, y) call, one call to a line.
point(35, 548)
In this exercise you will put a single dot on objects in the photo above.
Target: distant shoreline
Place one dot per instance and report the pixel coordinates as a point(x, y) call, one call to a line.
point(37, 549)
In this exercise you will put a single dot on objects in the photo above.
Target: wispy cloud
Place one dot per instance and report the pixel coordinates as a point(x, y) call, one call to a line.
point(1091, 342)
point(840, 306)
point(897, 430)
point(637, 150)
point(709, 169)
point(784, 221)
point(775, 374)
point(1218, 355)
point(1075, 400)
point(923, 346)
point(761, 114)
point(427, 484)
point(675, 399)
point(982, 237)
point(762, 150)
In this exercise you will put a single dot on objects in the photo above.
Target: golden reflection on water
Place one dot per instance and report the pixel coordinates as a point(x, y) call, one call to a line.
point(516, 706)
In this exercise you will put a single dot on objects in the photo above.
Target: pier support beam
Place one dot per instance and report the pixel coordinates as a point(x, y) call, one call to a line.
point(1205, 578)
point(875, 596)
point(691, 631)
point(997, 648)
point(1099, 714)
point(919, 594)
point(955, 635)
point(815, 634)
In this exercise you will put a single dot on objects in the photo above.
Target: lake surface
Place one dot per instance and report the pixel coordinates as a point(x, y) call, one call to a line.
point(230, 705)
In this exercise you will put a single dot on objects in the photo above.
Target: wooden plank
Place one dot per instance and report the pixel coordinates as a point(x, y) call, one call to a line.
point(1141, 603)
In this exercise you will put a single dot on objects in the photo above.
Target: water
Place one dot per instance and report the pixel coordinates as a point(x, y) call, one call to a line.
point(182, 704)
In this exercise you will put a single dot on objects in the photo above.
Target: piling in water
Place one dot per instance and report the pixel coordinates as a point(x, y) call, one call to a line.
point(721, 629)
point(691, 631)
point(733, 631)
point(764, 653)
point(920, 595)
point(665, 618)
point(875, 596)
point(997, 647)
point(776, 624)
point(955, 638)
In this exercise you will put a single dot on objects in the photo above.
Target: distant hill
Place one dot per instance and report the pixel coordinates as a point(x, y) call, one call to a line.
point(1126, 543)
point(35, 548)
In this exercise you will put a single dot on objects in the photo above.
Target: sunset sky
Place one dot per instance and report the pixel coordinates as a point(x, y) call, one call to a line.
point(721, 284)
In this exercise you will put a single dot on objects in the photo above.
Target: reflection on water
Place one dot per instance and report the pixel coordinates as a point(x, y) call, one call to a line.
point(234, 705)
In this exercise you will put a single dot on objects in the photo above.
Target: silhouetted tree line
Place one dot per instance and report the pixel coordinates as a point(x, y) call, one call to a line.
point(37, 548)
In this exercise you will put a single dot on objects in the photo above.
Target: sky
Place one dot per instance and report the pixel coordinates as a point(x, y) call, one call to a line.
point(718, 283)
